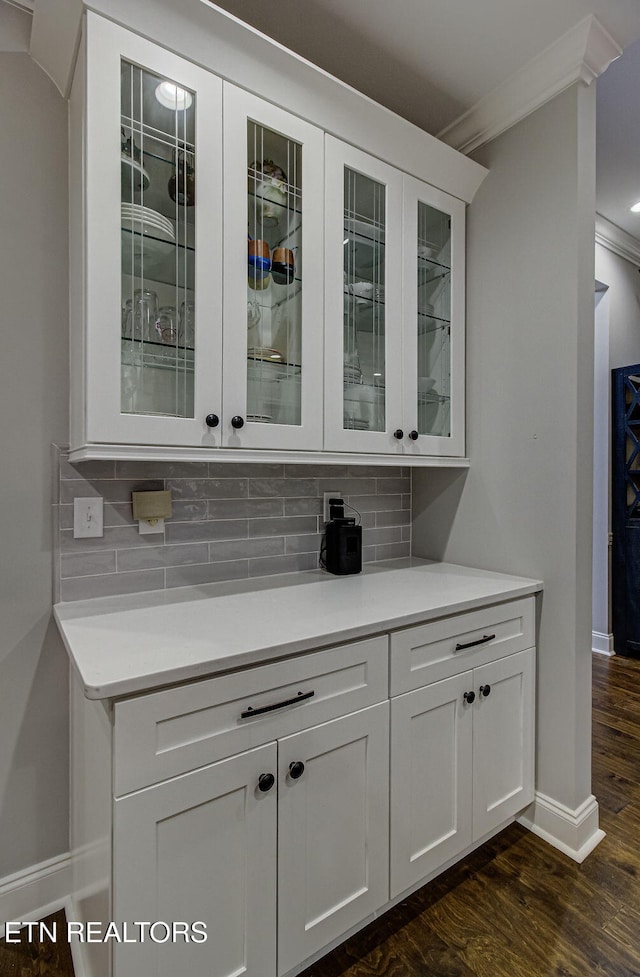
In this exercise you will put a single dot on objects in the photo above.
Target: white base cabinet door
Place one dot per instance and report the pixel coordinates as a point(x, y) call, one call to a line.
point(462, 763)
point(431, 779)
point(333, 830)
point(503, 740)
point(201, 847)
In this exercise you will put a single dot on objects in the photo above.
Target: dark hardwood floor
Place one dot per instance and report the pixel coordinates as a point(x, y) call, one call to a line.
point(516, 907)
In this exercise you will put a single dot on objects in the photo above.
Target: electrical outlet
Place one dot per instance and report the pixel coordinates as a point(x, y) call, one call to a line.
point(88, 517)
point(336, 494)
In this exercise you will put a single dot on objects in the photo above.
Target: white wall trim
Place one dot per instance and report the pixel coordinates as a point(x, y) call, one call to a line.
point(35, 892)
point(27, 5)
point(613, 238)
point(582, 54)
point(602, 644)
point(576, 833)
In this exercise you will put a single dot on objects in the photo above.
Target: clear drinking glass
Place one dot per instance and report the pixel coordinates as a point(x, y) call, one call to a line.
point(167, 326)
point(145, 314)
point(127, 319)
point(187, 324)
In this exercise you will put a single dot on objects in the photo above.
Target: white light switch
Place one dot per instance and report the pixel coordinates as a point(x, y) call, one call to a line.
point(87, 517)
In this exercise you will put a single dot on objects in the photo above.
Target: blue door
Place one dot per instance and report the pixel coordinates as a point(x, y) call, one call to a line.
point(625, 514)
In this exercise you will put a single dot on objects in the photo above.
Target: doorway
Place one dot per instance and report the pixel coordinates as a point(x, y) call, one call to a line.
point(602, 636)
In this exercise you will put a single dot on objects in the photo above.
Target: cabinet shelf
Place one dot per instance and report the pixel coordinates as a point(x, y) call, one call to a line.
point(137, 352)
point(165, 262)
point(433, 263)
point(427, 323)
point(433, 398)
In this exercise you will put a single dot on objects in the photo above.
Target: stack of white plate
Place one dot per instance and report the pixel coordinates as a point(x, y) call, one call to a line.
point(146, 234)
point(143, 220)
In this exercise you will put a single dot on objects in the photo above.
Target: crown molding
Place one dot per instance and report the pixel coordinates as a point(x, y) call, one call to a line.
point(26, 5)
point(580, 55)
point(613, 238)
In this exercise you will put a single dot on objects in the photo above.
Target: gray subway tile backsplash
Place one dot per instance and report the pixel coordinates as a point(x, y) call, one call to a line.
point(229, 521)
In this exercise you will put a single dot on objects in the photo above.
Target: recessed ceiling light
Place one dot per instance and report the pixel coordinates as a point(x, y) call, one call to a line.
point(636, 207)
point(173, 97)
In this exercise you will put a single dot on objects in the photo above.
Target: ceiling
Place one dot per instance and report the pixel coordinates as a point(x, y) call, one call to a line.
point(431, 60)
point(618, 141)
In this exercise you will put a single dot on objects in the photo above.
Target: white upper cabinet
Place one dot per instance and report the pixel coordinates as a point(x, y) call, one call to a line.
point(433, 334)
point(363, 301)
point(152, 244)
point(243, 281)
point(273, 219)
point(394, 310)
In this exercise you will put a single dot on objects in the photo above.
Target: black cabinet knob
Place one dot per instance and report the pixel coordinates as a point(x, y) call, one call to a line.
point(413, 435)
point(237, 422)
point(469, 697)
point(296, 769)
point(485, 690)
point(266, 782)
point(399, 434)
point(212, 420)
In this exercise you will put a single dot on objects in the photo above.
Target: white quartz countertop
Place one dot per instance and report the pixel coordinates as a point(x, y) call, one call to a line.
point(124, 645)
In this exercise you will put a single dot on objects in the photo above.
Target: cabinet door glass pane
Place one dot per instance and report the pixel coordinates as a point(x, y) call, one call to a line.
point(158, 189)
point(434, 321)
point(364, 318)
point(274, 277)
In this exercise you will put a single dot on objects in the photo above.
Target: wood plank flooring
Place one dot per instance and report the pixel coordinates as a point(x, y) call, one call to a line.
point(516, 907)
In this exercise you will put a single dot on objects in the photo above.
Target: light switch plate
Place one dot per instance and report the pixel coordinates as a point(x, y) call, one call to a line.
point(88, 517)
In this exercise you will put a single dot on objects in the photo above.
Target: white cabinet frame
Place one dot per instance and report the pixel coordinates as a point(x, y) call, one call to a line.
point(239, 107)
point(339, 155)
point(414, 191)
point(99, 228)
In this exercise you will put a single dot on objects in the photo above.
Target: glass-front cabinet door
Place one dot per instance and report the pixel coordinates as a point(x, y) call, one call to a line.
point(363, 302)
point(153, 230)
point(273, 295)
point(433, 374)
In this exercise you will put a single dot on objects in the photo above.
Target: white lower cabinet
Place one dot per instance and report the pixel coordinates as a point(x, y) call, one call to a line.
point(200, 847)
point(431, 763)
point(503, 740)
point(333, 831)
point(461, 763)
point(286, 804)
point(278, 850)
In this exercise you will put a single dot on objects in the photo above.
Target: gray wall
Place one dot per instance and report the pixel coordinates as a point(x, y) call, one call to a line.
point(525, 504)
point(33, 407)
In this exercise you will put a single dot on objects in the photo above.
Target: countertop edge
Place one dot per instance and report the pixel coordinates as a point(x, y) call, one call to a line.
point(147, 682)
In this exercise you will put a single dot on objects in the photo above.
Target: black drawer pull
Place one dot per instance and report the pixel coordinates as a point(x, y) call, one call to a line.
point(250, 711)
point(481, 641)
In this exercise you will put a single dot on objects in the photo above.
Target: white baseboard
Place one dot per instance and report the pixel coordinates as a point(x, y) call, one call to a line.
point(602, 644)
point(35, 892)
point(574, 832)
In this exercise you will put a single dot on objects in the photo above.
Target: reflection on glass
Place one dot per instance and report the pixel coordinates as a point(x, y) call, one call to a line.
point(364, 322)
point(434, 321)
point(274, 277)
point(158, 188)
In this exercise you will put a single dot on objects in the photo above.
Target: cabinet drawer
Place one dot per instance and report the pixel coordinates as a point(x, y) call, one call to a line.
point(168, 733)
point(435, 651)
